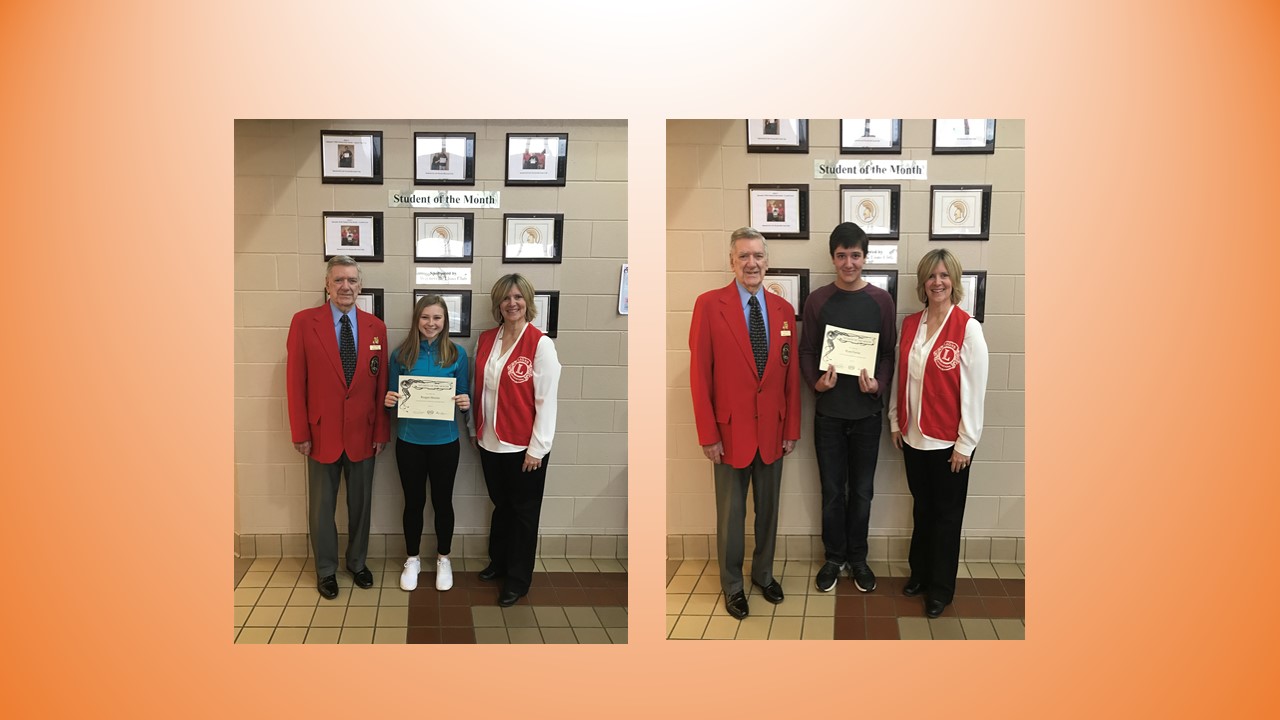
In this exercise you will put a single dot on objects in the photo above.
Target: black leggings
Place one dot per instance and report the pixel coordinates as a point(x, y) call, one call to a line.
point(416, 464)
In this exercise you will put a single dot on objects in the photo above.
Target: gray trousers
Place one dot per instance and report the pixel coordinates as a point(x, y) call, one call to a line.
point(322, 502)
point(731, 518)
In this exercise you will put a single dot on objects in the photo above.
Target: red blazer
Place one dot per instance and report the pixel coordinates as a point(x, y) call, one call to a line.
point(322, 409)
point(730, 404)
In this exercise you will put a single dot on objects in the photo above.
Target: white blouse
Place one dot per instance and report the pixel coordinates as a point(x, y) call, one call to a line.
point(546, 383)
point(973, 388)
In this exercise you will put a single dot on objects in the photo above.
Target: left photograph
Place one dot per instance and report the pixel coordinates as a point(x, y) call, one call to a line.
point(430, 381)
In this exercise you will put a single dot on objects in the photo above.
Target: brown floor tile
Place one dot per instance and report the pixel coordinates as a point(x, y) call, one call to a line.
point(999, 607)
point(424, 598)
point(571, 596)
point(844, 587)
point(458, 636)
point(599, 596)
point(482, 596)
point(965, 586)
point(542, 596)
point(1014, 588)
point(908, 607)
point(424, 616)
point(614, 580)
point(591, 579)
point(967, 606)
point(989, 587)
point(890, 585)
point(850, 628)
point(454, 598)
point(1019, 606)
point(882, 628)
point(562, 579)
point(880, 606)
point(455, 617)
point(849, 606)
point(423, 636)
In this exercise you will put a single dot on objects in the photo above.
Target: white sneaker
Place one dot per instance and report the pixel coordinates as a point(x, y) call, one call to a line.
point(444, 574)
point(409, 578)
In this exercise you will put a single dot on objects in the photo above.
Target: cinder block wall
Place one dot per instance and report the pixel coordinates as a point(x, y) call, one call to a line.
point(708, 170)
point(279, 269)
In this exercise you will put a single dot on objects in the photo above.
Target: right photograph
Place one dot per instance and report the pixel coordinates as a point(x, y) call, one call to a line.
point(846, 379)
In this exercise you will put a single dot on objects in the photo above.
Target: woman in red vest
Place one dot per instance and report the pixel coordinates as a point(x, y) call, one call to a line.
point(935, 415)
point(516, 377)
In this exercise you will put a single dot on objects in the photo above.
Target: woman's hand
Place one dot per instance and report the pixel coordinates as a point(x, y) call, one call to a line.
point(463, 402)
point(827, 381)
point(958, 461)
point(391, 399)
point(531, 463)
point(897, 439)
point(867, 384)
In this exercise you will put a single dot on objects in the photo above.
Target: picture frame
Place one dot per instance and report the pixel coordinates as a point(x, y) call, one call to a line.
point(779, 212)
point(447, 237)
point(459, 304)
point(547, 318)
point(537, 159)
point(532, 237)
point(974, 301)
point(352, 233)
point(624, 291)
point(444, 158)
point(960, 212)
point(777, 136)
point(874, 208)
point(956, 137)
point(790, 284)
point(351, 157)
point(886, 280)
point(870, 136)
point(370, 301)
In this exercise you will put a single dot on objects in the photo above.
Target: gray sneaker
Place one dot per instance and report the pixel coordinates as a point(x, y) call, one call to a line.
point(827, 576)
point(863, 577)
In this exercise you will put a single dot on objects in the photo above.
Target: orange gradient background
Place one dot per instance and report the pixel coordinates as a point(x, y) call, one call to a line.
point(1151, 216)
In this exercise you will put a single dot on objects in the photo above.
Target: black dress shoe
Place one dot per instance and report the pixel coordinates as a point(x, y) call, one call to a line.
point(934, 608)
point(328, 587)
point(490, 573)
point(736, 604)
point(364, 579)
point(912, 588)
point(507, 598)
point(771, 592)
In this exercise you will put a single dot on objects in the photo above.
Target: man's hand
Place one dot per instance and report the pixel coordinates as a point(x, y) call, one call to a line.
point(788, 446)
point(714, 452)
point(378, 448)
point(304, 448)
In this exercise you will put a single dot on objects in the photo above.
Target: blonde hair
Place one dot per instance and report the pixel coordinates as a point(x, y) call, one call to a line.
point(928, 263)
point(446, 351)
point(503, 286)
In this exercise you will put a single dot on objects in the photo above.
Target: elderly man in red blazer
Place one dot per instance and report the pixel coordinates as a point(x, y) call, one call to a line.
point(337, 378)
point(744, 375)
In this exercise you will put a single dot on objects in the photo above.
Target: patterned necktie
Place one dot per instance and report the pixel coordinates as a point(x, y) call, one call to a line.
point(759, 344)
point(347, 349)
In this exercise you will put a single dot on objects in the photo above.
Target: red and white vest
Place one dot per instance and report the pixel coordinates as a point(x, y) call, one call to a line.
point(514, 401)
point(940, 384)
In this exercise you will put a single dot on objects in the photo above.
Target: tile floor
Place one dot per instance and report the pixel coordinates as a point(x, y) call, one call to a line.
point(989, 605)
point(571, 601)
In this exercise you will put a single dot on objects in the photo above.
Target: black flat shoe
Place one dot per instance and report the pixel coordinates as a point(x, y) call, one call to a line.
point(934, 608)
point(489, 574)
point(507, 598)
point(328, 587)
point(364, 579)
point(771, 592)
point(736, 605)
point(912, 588)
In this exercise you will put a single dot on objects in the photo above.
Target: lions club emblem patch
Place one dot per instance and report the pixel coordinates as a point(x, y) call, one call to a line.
point(520, 369)
point(947, 356)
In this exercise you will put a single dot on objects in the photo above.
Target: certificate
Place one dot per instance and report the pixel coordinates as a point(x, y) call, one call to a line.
point(427, 398)
point(850, 351)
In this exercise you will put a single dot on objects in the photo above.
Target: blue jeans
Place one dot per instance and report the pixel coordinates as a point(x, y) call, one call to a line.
point(847, 452)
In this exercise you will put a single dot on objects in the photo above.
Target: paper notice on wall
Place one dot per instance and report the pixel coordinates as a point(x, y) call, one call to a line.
point(882, 255)
point(442, 276)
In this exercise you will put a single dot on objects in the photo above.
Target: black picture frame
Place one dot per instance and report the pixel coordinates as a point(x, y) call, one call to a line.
point(548, 317)
point(758, 134)
point(336, 234)
point(427, 159)
point(344, 163)
point(889, 284)
point(454, 224)
point(551, 172)
point(760, 197)
point(516, 235)
point(975, 301)
point(895, 138)
point(988, 146)
point(784, 281)
point(879, 194)
point(945, 203)
point(463, 315)
point(375, 301)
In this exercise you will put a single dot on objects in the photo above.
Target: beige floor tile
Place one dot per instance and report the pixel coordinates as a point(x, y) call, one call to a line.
point(963, 571)
point(982, 570)
point(362, 617)
point(275, 596)
point(689, 627)
point(671, 623)
point(617, 635)
point(1023, 568)
point(701, 604)
point(289, 636)
point(946, 628)
point(978, 629)
point(1009, 629)
point(391, 597)
point(795, 568)
point(297, 616)
point(1009, 570)
point(899, 569)
point(612, 617)
point(786, 628)
point(880, 568)
point(487, 617)
point(389, 579)
point(608, 565)
point(583, 565)
point(820, 605)
point(792, 606)
point(242, 614)
point(691, 567)
point(291, 563)
point(254, 636)
point(550, 617)
point(247, 596)
point(264, 564)
point(721, 628)
point(559, 636)
point(819, 628)
point(707, 584)
point(306, 579)
point(592, 636)
point(344, 596)
point(676, 603)
point(254, 579)
point(524, 636)
point(328, 616)
point(264, 617)
point(796, 585)
point(754, 627)
point(393, 616)
point(356, 636)
point(492, 636)
point(371, 597)
point(322, 635)
point(520, 616)
point(557, 565)
point(283, 578)
point(303, 597)
point(580, 617)
point(538, 566)
point(914, 628)
point(390, 636)
point(682, 584)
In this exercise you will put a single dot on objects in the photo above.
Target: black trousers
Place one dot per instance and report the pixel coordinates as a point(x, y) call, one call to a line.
point(517, 507)
point(417, 465)
point(938, 497)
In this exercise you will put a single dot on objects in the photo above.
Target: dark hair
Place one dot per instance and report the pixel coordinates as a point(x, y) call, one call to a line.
point(848, 235)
